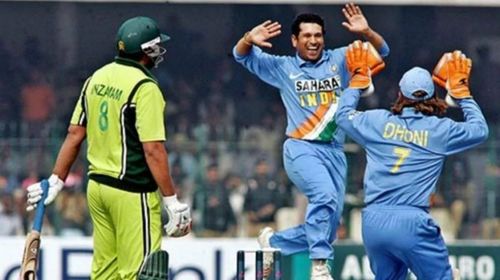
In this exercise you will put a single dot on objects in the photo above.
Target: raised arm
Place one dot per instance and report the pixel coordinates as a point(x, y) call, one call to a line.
point(357, 65)
point(259, 35)
point(455, 78)
point(357, 23)
point(472, 132)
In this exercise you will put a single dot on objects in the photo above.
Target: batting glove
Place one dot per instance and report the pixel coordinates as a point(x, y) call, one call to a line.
point(179, 217)
point(35, 192)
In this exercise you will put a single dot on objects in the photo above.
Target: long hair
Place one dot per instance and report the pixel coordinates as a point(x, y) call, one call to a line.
point(433, 106)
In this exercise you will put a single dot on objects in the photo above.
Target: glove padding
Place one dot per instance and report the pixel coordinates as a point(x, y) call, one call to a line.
point(363, 61)
point(179, 217)
point(375, 61)
point(452, 72)
point(459, 67)
point(440, 73)
point(35, 192)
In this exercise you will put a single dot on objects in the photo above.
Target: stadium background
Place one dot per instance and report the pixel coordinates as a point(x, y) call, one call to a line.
point(220, 115)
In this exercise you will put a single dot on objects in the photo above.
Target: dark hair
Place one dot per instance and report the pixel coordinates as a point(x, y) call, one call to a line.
point(433, 106)
point(133, 56)
point(307, 18)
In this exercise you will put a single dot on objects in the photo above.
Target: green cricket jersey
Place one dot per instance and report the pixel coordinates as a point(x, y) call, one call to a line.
point(121, 106)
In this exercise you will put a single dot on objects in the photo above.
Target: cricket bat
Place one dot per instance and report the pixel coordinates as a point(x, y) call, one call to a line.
point(32, 246)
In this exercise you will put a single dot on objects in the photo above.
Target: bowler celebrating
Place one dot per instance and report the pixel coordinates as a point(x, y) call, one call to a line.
point(310, 84)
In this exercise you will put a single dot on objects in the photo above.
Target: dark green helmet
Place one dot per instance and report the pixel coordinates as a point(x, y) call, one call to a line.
point(137, 34)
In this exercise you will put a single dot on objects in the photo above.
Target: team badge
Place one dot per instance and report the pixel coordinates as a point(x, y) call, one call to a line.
point(334, 68)
point(121, 46)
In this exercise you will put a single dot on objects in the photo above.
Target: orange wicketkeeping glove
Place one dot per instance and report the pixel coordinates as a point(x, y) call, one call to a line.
point(375, 62)
point(440, 73)
point(459, 67)
point(363, 61)
point(357, 65)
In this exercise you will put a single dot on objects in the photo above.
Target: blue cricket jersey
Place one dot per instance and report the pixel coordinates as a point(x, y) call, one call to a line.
point(405, 153)
point(309, 91)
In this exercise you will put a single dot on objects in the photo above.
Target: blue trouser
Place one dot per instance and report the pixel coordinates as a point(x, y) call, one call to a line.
point(319, 171)
point(398, 238)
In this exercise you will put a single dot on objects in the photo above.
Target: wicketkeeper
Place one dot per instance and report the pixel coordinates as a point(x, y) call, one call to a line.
point(405, 151)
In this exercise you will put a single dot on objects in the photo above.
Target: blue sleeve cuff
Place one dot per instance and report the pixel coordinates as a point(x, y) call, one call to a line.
point(384, 49)
point(254, 51)
point(465, 101)
point(236, 55)
point(349, 90)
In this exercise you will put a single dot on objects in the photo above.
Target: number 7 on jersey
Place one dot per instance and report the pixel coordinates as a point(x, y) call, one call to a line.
point(402, 154)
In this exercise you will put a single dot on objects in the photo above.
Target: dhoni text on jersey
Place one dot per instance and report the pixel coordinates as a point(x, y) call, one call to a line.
point(107, 91)
point(400, 133)
point(317, 92)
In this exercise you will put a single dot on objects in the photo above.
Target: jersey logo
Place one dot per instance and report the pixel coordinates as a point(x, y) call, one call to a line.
point(329, 84)
point(295, 76)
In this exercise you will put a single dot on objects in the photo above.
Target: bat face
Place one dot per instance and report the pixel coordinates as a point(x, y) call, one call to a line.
point(30, 256)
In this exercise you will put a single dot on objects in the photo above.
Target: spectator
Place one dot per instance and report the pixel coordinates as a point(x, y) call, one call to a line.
point(212, 207)
point(30, 179)
point(237, 190)
point(38, 103)
point(454, 192)
point(250, 107)
point(74, 220)
point(19, 196)
point(249, 153)
point(10, 221)
point(262, 200)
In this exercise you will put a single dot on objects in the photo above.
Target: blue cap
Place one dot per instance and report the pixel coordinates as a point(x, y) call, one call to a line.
point(417, 79)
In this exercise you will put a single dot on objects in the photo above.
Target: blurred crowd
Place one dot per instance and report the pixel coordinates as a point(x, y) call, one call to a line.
point(225, 131)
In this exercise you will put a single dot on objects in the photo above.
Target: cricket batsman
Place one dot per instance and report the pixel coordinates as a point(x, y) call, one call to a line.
point(120, 112)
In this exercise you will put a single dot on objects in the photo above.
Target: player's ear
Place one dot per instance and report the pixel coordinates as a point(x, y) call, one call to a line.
point(294, 40)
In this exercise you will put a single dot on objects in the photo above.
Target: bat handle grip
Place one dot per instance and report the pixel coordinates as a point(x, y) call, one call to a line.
point(40, 209)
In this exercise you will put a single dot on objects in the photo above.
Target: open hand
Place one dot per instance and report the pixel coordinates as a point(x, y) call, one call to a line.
point(356, 21)
point(261, 33)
